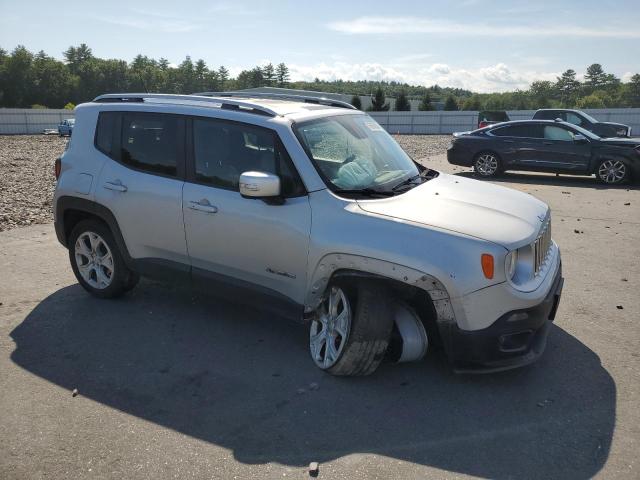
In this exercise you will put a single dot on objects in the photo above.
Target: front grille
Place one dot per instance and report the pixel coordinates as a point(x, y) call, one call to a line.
point(541, 247)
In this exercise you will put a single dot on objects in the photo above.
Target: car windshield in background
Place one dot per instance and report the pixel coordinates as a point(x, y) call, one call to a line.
point(589, 117)
point(353, 152)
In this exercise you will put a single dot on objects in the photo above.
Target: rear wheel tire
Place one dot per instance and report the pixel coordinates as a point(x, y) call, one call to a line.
point(96, 261)
point(351, 329)
point(613, 172)
point(487, 164)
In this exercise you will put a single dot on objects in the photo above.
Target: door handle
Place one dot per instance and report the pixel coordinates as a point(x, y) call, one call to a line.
point(116, 186)
point(203, 206)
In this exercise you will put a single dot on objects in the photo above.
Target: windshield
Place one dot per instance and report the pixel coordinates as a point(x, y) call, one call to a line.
point(353, 152)
point(586, 133)
point(589, 117)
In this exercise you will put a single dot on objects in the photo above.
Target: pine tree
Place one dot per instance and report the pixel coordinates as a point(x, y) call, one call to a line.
point(595, 76)
point(223, 76)
point(450, 104)
point(282, 75)
point(355, 101)
point(378, 101)
point(269, 74)
point(633, 91)
point(402, 103)
point(425, 104)
point(567, 87)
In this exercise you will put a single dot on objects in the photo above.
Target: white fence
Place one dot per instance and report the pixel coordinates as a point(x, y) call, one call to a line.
point(16, 121)
point(431, 123)
point(23, 121)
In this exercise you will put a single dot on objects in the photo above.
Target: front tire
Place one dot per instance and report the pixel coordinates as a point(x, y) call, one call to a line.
point(487, 164)
point(350, 332)
point(613, 172)
point(97, 262)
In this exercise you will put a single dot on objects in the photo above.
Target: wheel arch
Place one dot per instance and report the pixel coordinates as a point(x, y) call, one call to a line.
point(406, 282)
point(72, 210)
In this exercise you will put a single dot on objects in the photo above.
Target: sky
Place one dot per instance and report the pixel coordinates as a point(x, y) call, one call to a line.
point(480, 45)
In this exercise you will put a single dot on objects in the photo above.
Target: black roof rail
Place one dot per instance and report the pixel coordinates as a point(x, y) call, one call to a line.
point(223, 103)
point(330, 102)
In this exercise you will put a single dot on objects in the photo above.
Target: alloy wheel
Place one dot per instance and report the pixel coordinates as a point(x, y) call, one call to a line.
point(94, 260)
point(612, 171)
point(486, 164)
point(330, 328)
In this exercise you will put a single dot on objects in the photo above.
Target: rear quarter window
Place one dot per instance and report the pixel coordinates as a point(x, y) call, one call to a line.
point(106, 132)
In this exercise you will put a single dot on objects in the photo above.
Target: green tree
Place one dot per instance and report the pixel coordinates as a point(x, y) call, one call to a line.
point(355, 101)
point(69, 106)
point(472, 103)
point(595, 76)
point(567, 87)
point(450, 104)
point(541, 92)
point(632, 91)
point(16, 80)
point(223, 76)
point(282, 75)
point(402, 102)
point(269, 74)
point(378, 101)
point(591, 101)
point(425, 103)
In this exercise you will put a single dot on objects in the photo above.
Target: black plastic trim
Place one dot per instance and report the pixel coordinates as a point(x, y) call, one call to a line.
point(487, 350)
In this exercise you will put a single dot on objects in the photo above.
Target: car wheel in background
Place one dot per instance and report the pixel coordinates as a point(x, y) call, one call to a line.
point(612, 172)
point(350, 332)
point(487, 164)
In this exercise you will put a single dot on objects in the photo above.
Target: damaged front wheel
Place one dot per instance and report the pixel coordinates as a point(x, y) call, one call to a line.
point(350, 330)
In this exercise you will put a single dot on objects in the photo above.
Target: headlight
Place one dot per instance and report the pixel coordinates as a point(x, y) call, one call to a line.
point(510, 264)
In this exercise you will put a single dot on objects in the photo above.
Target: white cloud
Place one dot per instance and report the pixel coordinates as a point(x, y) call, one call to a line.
point(153, 22)
point(407, 25)
point(491, 78)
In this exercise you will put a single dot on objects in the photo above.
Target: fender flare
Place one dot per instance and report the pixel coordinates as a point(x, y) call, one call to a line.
point(355, 265)
point(66, 203)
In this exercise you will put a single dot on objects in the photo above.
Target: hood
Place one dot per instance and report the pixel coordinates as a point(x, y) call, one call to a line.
point(613, 124)
point(621, 142)
point(480, 209)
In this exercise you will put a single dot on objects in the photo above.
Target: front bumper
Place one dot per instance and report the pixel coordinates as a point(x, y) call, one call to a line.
point(456, 156)
point(515, 339)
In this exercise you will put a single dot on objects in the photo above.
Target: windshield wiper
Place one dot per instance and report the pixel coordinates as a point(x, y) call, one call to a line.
point(368, 192)
point(410, 180)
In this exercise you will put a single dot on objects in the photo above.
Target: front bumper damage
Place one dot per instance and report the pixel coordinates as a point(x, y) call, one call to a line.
point(515, 339)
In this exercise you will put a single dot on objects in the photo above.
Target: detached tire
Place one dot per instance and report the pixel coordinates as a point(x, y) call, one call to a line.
point(97, 262)
point(350, 332)
point(487, 164)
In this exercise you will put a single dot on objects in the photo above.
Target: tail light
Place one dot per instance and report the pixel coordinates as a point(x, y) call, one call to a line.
point(57, 167)
point(483, 124)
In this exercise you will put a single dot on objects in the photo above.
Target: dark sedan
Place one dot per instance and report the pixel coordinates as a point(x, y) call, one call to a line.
point(546, 146)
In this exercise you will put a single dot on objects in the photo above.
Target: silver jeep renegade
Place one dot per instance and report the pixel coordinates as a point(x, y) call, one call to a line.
point(307, 207)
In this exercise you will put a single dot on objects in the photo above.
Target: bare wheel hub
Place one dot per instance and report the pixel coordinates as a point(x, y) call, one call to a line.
point(94, 260)
point(330, 328)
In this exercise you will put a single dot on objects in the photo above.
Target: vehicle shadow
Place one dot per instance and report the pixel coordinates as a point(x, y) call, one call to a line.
point(552, 179)
point(237, 378)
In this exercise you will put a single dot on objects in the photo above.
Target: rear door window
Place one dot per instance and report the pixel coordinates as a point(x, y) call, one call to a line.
point(519, 131)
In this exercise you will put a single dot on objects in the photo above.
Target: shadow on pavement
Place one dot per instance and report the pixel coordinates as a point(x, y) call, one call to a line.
point(232, 376)
point(551, 179)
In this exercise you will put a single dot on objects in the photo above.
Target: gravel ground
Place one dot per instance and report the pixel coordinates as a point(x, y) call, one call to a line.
point(27, 181)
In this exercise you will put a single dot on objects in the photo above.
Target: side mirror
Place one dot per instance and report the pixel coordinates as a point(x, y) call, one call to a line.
point(579, 138)
point(259, 185)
